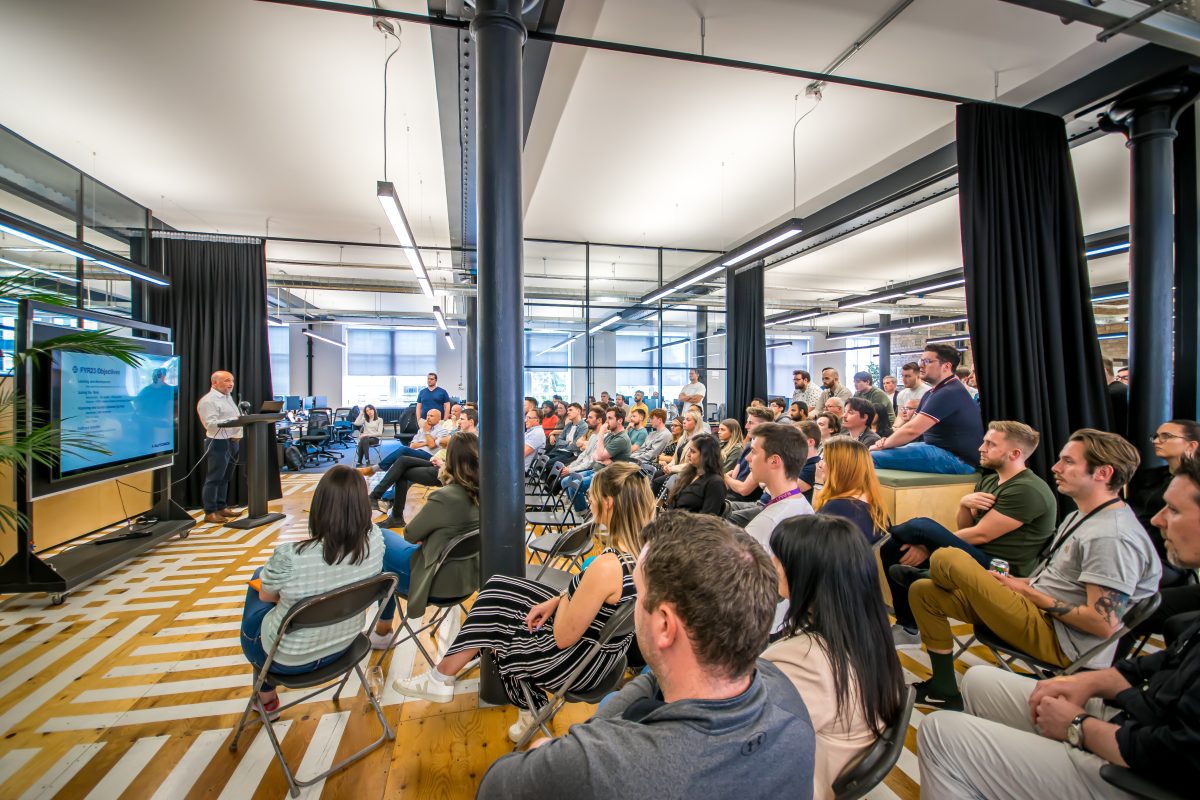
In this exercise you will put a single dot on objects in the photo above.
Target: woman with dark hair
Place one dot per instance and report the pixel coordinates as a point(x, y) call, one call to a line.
point(830, 424)
point(700, 487)
point(448, 513)
point(370, 431)
point(343, 547)
point(882, 424)
point(550, 418)
point(1173, 440)
point(837, 647)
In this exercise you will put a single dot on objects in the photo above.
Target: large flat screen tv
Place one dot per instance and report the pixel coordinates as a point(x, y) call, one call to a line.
point(127, 415)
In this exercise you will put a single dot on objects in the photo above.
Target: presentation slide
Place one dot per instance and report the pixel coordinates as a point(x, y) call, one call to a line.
point(128, 411)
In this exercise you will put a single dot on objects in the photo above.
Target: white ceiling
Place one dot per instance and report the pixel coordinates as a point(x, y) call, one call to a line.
point(239, 117)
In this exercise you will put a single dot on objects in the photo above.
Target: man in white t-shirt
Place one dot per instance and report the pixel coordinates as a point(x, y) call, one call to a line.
point(692, 394)
point(535, 435)
point(776, 458)
point(914, 387)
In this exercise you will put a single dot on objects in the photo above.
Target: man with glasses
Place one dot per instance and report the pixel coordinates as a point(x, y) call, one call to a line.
point(907, 412)
point(948, 424)
point(535, 435)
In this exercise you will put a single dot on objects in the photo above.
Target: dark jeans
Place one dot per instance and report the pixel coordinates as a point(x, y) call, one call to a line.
point(930, 534)
point(1179, 600)
point(365, 443)
point(222, 459)
point(252, 648)
point(406, 471)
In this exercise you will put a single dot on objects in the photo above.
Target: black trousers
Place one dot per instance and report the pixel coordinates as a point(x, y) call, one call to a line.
point(365, 443)
point(402, 474)
point(1176, 601)
point(222, 459)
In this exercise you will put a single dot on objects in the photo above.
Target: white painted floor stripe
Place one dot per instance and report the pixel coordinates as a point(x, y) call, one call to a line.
point(50, 659)
point(320, 753)
point(118, 778)
point(13, 760)
point(199, 630)
point(73, 669)
point(166, 688)
point(63, 770)
point(11, 631)
point(18, 650)
point(245, 779)
point(183, 777)
point(165, 667)
point(211, 613)
point(186, 647)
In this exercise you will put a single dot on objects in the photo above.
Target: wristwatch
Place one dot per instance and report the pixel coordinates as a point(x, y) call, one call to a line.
point(1075, 731)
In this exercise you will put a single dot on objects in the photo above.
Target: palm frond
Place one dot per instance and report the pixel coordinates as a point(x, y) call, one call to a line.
point(12, 520)
point(101, 342)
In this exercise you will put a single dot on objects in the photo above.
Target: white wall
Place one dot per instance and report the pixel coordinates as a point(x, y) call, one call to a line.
point(452, 364)
point(329, 362)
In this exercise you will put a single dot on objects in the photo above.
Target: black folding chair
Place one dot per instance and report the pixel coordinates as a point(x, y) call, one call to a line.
point(1137, 785)
point(619, 625)
point(342, 604)
point(571, 546)
point(1007, 655)
point(558, 519)
point(869, 770)
point(463, 548)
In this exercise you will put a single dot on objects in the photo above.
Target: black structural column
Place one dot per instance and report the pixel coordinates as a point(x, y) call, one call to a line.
point(885, 349)
point(499, 37)
point(1146, 115)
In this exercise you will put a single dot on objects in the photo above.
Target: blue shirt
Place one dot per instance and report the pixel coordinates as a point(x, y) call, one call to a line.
point(958, 424)
point(436, 398)
point(808, 474)
point(743, 465)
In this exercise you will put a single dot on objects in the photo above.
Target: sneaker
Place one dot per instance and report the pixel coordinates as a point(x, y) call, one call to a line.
point(381, 505)
point(383, 641)
point(518, 728)
point(926, 697)
point(905, 576)
point(425, 687)
point(905, 638)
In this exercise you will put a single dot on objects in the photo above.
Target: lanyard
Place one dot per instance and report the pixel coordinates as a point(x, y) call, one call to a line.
point(784, 496)
point(1046, 556)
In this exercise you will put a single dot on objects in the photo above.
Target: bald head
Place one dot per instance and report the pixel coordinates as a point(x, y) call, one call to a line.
point(222, 381)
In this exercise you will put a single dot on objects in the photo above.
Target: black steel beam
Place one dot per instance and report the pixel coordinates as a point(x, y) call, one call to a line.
point(1169, 30)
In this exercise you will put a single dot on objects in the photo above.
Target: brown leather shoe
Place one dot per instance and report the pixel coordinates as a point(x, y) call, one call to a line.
point(368, 471)
point(215, 518)
point(229, 512)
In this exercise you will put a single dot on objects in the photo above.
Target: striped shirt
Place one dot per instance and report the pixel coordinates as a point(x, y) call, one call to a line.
point(299, 574)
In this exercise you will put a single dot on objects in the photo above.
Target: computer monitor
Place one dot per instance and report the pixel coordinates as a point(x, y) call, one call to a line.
point(320, 401)
point(293, 402)
point(308, 404)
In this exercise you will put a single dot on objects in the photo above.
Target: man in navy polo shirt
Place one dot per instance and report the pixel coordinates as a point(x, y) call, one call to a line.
point(433, 396)
point(945, 434)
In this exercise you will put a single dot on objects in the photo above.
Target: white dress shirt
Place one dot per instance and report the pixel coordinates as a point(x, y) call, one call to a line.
point(215, 408)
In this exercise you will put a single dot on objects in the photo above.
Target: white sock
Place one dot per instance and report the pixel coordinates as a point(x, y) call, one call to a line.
point(440, 678)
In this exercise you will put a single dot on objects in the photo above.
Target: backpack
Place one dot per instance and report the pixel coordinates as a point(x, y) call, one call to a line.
point(293, 458)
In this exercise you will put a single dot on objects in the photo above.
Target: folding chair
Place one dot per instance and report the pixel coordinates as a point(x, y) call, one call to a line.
point(463, 548)
point(556, 519)
point(346, 603)
point(1007, 655)
point(571, 546)
point(1137, 785)
point(619, 625)
point(869, 770)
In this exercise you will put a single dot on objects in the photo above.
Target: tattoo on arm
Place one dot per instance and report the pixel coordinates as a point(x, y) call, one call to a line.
point(1111, 605)
point(1060, 609)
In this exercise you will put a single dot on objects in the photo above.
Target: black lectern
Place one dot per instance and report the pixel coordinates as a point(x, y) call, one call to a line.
point(255, 436)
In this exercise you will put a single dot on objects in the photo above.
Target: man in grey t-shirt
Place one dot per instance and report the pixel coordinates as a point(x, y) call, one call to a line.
point(1098, 563)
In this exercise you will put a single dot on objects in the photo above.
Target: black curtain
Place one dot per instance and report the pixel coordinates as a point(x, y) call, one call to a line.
point(745, 340)
point(216, 309)
point(1033, 335)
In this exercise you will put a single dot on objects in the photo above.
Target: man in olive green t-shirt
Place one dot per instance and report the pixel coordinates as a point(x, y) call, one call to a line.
point(1009, 516)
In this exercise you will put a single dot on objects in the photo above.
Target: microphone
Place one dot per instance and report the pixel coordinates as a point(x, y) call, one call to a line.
point(243, 406)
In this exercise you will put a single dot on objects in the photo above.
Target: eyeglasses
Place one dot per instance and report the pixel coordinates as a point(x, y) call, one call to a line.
point(1164, 437)
point(925, 362)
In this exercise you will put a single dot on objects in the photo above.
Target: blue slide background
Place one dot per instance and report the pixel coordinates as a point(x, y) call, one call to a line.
point(129, 411)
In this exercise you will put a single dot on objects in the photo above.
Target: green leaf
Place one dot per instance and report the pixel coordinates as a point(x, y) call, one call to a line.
point(101, 342)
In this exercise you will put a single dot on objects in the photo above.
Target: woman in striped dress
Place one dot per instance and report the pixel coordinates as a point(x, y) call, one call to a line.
point(539, 636)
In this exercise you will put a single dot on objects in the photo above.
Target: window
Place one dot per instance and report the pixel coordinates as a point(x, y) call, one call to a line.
point(783, 361)
point(864, 360)
point(279, 345)
point(635, 369)
point(546, 372)
point(387, 367)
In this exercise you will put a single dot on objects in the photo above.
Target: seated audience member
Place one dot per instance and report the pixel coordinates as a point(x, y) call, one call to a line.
point(729, 434)
point(836, 649)
point(907, 411)
point(1123, 375)
point(1009, 516)
point(835, 406)
point(605, 401)
point(535, 436)
point(656, 441)
point(777, 457)
point(830, 425)
point(612, 448)
point(1118, 401)
point(1100, 561)
point(967, 376)
point(913, 388)
point(539, 636)
point(710, 718)
point(808, 474)
point(881, 424)
point(468, 421)
point(406, 471)
point(343, 547)
point(449, 512)
point(701, 484)
point(587, 443)
point(865, 389)
point(1051, 737)
point(370, 433)
point(566, 442)
point(668, 453)
point(743, 490)
point(798, 411)
point(432, 433)
point(693, 424)
point(857, 419)
point(621, 404)
point(850, 487)
point(636, 431)
point(833, 390)
point(550, 419)
point(888, 383)
point(947, 422)
point(778, 407)
point(758, 402)
point(806, 391)
point(531, 403)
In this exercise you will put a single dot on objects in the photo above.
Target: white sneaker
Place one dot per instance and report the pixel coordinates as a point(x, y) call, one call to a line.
point(425, 687)
point(518, 728)
point(383, 641)
point(905, 640)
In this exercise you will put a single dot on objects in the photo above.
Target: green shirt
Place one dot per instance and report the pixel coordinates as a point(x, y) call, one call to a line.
point(1027, 498)
point(877, 396)
point(618, 446)
point(636, 435)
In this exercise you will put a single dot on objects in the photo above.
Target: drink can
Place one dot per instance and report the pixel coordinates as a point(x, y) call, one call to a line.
point(999, 566)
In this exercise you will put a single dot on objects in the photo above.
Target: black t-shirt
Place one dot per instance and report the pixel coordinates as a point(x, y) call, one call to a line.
point(958, 425)
point(808, 474)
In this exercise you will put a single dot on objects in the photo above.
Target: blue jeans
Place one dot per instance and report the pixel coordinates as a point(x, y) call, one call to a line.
point(222, 458)
point(931, 535)
point(578, 482)
point(921, 457)
point(405, 450)
point(397, 559)
point(252, 648)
